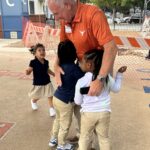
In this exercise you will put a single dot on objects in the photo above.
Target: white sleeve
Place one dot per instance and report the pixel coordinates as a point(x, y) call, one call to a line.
point(78, 99)
point(116, 85)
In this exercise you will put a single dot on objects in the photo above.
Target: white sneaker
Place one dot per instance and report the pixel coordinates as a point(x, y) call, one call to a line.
point(34, 105)
point(65, 147)
point(52, 112)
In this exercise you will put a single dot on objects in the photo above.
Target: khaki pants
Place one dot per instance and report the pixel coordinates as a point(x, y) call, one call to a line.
point(77, 115)
point(62, 121)
point(98, 121)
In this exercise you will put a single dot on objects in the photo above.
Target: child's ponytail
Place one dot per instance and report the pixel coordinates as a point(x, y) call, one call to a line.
point(96, 56)
point(32, 50)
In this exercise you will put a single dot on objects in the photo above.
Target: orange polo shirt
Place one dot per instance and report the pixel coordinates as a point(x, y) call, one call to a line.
point(88, 30)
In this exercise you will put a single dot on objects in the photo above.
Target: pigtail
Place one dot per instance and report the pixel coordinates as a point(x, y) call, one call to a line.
point(97, 65)
point(32, 50)
point(96, 56)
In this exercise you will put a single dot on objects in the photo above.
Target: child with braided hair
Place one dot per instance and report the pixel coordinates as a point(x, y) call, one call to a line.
point(95, 110)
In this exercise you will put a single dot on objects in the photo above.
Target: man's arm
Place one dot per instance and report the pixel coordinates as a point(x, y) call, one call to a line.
point(102, 33)
point(106, 68)
point(110, 51)
point(57, 69)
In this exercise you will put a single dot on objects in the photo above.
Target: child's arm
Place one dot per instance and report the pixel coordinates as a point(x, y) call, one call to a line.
point(78, 99)
point(116, 86)
point(51, 72)
point(29, 70)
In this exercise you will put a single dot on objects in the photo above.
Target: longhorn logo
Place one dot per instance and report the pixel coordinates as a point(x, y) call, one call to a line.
point(82, 32)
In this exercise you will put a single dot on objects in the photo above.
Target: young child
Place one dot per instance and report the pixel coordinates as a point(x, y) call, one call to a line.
point(95, 110)
point(42, 86)
point(64, 95)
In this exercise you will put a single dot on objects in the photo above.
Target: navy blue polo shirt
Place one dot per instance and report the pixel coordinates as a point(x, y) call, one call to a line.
point(66, 92)
point(40, 72)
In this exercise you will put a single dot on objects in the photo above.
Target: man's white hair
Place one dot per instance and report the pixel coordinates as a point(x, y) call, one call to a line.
point(61, 1)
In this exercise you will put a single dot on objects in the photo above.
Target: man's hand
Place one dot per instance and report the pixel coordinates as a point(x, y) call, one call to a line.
point(58, 72)
point(95, 88)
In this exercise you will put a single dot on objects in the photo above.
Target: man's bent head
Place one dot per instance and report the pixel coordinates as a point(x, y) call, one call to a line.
point(63, 9)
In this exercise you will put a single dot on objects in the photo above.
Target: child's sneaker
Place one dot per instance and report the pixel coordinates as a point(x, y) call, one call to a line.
point(34, 105)
point(52, 112)
point(52, 142)
point(65, 147)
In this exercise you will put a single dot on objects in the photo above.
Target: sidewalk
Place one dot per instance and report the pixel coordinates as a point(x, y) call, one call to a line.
point(129, 126)
point(4, 46)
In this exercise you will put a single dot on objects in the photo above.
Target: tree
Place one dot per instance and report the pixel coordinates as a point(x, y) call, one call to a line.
point(119, 4)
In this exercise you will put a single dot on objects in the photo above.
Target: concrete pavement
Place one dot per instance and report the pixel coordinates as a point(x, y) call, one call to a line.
point(129, 127)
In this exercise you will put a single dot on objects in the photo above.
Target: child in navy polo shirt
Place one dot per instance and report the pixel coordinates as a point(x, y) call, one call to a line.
point(42, 86)
point(64, 95)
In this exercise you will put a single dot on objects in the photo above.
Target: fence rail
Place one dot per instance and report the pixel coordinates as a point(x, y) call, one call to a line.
point(126, 27)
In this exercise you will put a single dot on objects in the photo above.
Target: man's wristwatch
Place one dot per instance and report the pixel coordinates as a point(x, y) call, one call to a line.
point(101, 78)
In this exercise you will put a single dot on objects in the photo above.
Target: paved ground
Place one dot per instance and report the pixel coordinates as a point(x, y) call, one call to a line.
point(130, 125)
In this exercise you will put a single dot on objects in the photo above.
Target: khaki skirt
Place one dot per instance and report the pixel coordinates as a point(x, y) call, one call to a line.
point(38, 92)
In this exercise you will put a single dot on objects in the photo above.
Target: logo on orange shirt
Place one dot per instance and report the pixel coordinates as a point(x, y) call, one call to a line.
point(82, 32)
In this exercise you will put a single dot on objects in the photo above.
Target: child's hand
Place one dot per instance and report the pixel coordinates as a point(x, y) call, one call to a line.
point(122, 69)
point(53, 74)
point(27, 72)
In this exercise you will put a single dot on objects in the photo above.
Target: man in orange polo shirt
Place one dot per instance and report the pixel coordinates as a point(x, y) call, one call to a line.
point(86, 26)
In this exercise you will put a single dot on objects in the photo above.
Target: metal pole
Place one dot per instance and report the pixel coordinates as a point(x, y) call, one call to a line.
point(148, 2)
point(145, 8)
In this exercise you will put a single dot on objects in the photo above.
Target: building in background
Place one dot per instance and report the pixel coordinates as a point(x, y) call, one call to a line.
point(14, 16)
point(36, 7)
point(15, 13)
point(39, 12)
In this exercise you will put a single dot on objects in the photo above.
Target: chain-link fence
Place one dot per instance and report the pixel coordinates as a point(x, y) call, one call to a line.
point(126, 27)
point(133, 58)
point(138, 71)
